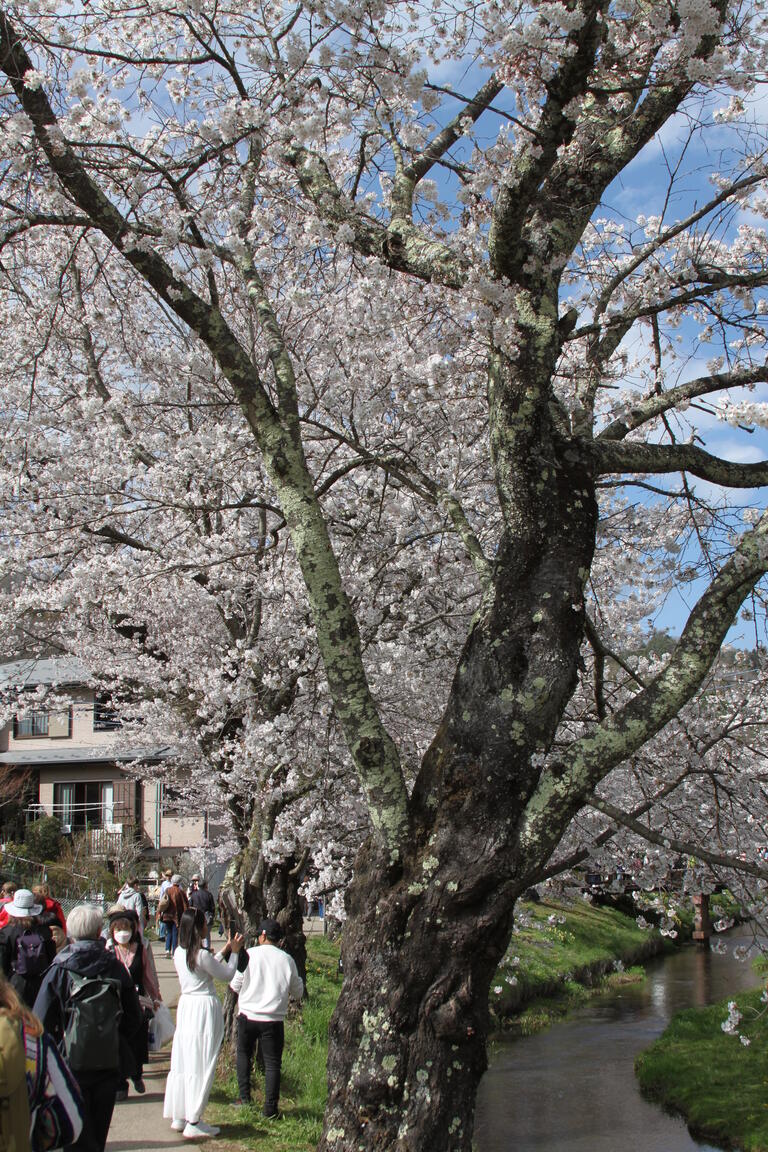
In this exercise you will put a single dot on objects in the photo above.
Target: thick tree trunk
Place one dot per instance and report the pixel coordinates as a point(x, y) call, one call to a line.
point(408, 1039)
point(254, 888)
point(425, 934)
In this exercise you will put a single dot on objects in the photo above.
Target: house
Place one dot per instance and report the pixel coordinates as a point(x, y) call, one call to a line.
point(76, 752)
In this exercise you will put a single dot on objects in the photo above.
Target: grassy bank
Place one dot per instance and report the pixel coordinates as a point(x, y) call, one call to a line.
point(558, 954)
point(718, 1083)
point(554, 948)
point(302, 1088)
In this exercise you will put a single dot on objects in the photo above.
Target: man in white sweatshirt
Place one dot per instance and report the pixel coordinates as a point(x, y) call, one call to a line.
point(264, 989)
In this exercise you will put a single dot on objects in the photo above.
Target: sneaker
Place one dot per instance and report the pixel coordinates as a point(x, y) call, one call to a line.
point(140, 1086)
point(178, 1125)
point(194, 1131)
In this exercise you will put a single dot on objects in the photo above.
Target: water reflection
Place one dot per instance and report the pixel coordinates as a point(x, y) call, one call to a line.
point(573, 1088)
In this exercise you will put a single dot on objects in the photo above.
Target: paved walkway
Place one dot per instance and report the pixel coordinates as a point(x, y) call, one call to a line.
point(137, 1123)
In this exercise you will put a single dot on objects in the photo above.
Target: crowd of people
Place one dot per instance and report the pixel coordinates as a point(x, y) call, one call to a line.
point(78, 996)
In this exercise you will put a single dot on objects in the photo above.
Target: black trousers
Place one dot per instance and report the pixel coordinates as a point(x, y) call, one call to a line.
point(98, 1105)
point(270, 1036)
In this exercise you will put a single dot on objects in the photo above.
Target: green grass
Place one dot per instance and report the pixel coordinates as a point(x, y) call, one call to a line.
point(557, 952)
point(302, 1086)
point(718, 1084)
point(553, 958)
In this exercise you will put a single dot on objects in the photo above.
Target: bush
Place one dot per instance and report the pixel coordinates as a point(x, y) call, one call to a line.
point(43, 839)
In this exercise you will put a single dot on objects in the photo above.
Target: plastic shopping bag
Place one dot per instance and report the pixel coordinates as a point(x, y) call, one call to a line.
point(161, 1029)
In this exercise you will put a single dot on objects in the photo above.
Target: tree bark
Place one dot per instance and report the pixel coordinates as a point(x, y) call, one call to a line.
point(422, 940)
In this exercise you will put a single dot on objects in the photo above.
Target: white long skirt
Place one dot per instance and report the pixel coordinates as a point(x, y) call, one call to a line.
point(196, 1042)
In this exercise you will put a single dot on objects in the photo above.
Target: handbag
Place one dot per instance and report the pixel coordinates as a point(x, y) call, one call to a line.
point(161, 1028)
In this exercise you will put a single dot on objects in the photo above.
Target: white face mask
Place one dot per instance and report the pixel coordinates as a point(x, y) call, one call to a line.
point(123, 937)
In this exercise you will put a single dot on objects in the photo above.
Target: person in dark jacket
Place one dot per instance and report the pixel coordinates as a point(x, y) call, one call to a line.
point(173, 904)
point(202, 899)
point(125, 943)
point(26, 946)
point(87, 955)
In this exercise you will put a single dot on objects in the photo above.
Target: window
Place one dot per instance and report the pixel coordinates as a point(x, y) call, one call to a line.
point(105, 718)
point(84, 804)
point(31, 724)
point(39, 722)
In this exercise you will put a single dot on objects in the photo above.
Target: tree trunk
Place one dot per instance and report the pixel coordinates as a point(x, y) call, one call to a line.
point(424, 935)
point(254, 888)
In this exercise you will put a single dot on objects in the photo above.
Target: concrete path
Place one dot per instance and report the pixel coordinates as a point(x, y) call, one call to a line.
point(137, 1123)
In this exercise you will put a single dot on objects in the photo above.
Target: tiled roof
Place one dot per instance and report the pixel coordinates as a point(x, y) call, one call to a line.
point(51, 670)
point(37, 757)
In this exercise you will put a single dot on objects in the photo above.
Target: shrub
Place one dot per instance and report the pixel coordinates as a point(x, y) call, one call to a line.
point(43, 839)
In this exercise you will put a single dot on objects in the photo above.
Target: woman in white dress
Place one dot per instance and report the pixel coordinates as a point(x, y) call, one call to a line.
point(199, 1026)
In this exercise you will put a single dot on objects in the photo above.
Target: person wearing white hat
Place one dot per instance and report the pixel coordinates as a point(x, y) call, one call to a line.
point(27, 946)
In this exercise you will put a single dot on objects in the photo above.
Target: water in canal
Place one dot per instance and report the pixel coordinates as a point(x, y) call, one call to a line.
point(572, 1087)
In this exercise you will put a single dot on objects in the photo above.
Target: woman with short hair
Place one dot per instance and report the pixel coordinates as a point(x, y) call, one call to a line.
point(199, 1025)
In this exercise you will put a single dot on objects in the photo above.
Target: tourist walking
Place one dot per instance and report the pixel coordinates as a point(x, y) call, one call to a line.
point(130, 897)
point(52, 914)
point(264, 988)
point(44, 1105)
point(124, 940)
point(26, 945)
point(173, 904)
point(202, 899)
point(88, 1003)
point(199, 1026)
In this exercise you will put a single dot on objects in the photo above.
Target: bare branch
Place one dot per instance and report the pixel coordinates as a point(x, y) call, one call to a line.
point(627, 456)
point(649, 407)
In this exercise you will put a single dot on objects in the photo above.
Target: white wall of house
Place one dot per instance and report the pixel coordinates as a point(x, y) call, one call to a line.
point(71, 731)
point(71, 727)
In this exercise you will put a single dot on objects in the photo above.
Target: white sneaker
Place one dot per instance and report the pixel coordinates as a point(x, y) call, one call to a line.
point(178, 1125)
point(195, 1131)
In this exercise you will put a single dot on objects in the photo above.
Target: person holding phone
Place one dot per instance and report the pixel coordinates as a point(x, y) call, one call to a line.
point(199, 1025)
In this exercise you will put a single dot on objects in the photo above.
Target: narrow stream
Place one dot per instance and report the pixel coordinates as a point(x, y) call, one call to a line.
point(572, 1088)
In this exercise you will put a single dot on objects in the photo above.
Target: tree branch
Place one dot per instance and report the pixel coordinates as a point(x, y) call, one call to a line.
point(717, 859)
point(373, 751)
point(564, 784)
point(401, 245)
point(649, 407)
point(628, 456)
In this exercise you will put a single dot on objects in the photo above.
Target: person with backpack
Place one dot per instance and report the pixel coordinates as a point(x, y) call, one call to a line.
point(88, 1003)
point(14, 1100)
point(26, 946)
point(53, 1116)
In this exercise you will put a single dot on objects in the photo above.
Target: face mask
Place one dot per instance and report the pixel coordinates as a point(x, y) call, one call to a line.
point(123, 937)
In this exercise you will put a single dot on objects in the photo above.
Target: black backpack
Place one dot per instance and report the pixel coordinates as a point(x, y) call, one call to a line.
point(31, 954)
point(92, 1014)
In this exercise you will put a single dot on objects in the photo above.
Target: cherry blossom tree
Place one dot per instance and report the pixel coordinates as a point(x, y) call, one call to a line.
point(353, 399)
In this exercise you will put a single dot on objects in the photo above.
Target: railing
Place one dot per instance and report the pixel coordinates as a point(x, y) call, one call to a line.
point(104, 842)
